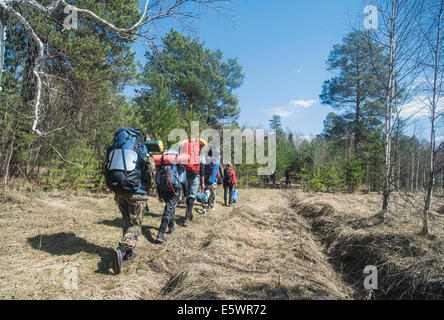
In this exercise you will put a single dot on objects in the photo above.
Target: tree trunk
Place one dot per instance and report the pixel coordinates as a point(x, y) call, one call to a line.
point(9, 157)
point(431, 173)
point(417, 170)
point(2, 47)
point(388, 116)
point(411, 187)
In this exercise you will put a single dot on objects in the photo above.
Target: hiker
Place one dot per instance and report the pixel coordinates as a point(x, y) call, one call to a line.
point(229, 182)
point(170, 179)
point(194, 173)
point(273, 177)
point(287, 179)
point(129, 175)
point(212, 172)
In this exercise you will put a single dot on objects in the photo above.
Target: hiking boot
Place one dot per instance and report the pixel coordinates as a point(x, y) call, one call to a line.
point(186, 222)
point(161, 237)
point(117, 260)
point(171, 229)
point(129, 255)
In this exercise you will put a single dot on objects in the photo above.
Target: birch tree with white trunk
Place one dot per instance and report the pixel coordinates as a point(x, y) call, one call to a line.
point(431, 62)
point(151, 11)
point(396, 33)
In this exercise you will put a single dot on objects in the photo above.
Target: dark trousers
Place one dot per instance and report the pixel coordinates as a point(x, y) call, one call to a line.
point(171, 201)
point(228, 187)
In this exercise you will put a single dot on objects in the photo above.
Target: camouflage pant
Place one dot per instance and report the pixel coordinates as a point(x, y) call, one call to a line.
point(132, 208)
point(210, 191)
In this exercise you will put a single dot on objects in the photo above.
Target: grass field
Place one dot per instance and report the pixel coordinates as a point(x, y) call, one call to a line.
point(270, 245)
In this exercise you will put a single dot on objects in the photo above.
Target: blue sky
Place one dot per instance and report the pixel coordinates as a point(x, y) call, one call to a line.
point(282, 46)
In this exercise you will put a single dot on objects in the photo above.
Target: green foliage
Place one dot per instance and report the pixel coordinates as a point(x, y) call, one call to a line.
point(199, 79)
point(276, 125)
point(353, 174)
point(88, 177)
point(316, 182)
point(356, 89)
point(328, 177)
point(158, 114)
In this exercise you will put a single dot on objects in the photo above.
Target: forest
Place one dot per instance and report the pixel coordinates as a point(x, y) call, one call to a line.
point(62, 99)
point(368, 143)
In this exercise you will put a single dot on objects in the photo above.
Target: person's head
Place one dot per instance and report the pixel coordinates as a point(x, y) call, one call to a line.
point(228, 165)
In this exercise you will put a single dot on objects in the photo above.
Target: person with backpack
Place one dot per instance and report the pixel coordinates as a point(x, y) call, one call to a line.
point(128, 174)
point(194, 173)
point(274, 176)
point(170, 179)
point(212, 171)
point(229, 182)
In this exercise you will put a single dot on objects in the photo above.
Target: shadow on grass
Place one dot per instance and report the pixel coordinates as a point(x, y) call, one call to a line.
point(68, 244)
point(278, 292)
point(118, 223)
point(150, 236)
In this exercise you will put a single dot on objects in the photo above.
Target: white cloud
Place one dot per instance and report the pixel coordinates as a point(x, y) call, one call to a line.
point(293, 108)
point(290, 110)
point(419, 108)
point(303, 103)
point(283, 112)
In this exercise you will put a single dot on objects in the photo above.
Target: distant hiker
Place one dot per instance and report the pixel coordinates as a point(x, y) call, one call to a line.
point(229, 182)
point(273, 177)
point(287, 179)
point(170, 179)
point(212, 172)
point(129, 174)
point(195, 174)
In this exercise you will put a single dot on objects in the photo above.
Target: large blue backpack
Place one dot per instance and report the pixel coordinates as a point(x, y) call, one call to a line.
point(170, 177)
point(126, 160)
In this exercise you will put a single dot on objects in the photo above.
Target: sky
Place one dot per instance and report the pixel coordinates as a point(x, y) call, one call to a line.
point(283, 46)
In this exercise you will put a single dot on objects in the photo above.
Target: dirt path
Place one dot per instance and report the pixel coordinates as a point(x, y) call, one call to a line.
point(258, 249)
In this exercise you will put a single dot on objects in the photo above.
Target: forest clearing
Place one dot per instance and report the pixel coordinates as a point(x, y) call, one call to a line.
point(287, 150)
point(274, 244)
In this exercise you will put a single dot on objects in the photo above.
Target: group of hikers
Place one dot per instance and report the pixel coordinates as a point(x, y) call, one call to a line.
point(131, 170)
point(273, 177)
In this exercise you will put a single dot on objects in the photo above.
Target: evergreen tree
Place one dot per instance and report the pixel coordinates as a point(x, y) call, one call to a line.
point(200, 79)
point(356, 87)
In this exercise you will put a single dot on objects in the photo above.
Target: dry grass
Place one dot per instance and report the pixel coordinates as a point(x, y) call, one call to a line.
point(257, 250)
point(271, 245)
point(409, 265)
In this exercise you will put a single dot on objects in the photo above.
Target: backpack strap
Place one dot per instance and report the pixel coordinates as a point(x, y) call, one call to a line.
point(124, 163)
point(170, 182)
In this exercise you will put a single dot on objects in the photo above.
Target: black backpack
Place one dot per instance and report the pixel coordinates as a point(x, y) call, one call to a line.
point(126, 160)
point(227, 175)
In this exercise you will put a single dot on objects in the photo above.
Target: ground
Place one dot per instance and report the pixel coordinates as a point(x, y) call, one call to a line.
point(261, 248)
